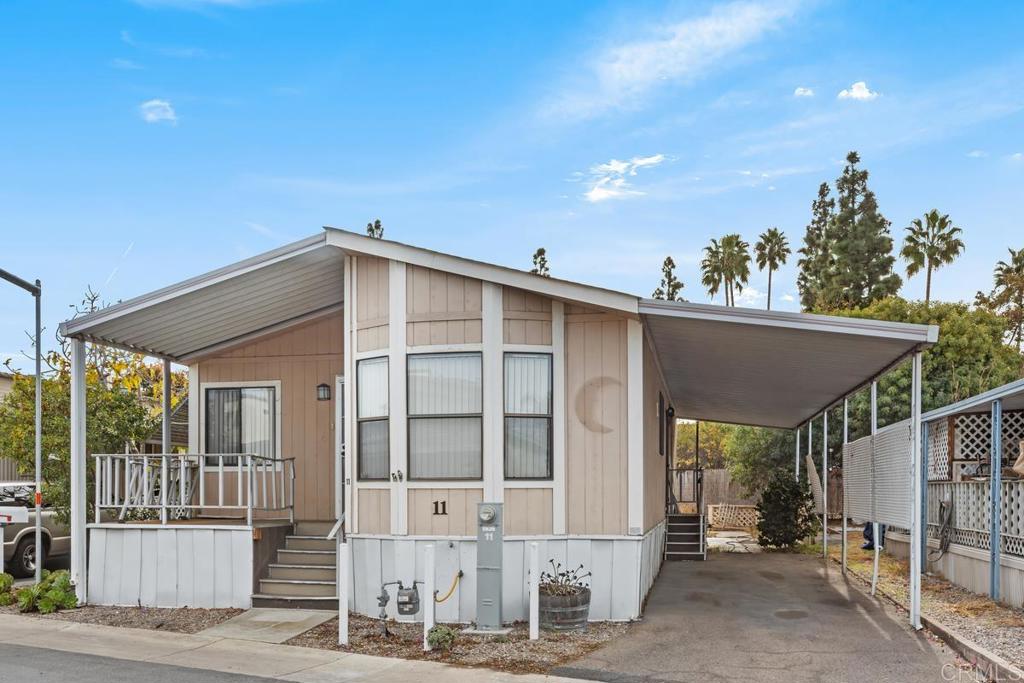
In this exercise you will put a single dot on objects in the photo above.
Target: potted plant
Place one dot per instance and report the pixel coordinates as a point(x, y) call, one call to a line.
point(564, 598)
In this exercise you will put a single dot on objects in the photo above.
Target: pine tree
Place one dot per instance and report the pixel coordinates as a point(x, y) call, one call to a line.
point(670, 285)
point(540, 263)
point(375, 229)
point(816, 262)
point(864, 260)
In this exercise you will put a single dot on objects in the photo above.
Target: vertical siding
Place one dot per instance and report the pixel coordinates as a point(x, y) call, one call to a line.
point(374, 511)
point(372, 292)
point(596, 482)
point(527, 317)
point(300, 358)
point(528, 511)
point(654, 462)
point(442, 308)
point(460, 506)
point(170, 567)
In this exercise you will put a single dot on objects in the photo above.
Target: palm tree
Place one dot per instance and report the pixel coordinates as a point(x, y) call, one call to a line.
point(930, 244)
point(1008, 294)
point(772, 248)
point(736, 257)
point(712, 268)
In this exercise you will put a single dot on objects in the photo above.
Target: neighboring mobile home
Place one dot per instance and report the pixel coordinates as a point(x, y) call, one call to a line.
point(392, 388)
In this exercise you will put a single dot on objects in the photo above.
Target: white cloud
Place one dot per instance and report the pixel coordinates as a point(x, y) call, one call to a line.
point(788, 298)
point(610, 180)
point(858, 91)
point(620, 76)
point(803, 92)
point(176, 51)
point(157, 111)
point(125, 64)
point(1016, 156)
point(977, 154)
point(751, 297)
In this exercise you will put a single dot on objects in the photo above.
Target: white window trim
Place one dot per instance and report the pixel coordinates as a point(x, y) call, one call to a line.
point(243, 384)
point(356, 419)
point(535, 351)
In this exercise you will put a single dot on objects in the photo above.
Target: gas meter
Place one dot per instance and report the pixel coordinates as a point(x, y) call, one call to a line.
point(408, 601)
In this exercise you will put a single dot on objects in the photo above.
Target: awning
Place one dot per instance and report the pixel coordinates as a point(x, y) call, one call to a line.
point(769, 368)
point(271, 291)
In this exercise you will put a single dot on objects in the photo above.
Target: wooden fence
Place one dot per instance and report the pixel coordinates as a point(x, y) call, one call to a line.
point(720, 489)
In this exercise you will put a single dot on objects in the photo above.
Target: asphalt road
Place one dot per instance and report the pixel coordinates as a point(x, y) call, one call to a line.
point(20, 664)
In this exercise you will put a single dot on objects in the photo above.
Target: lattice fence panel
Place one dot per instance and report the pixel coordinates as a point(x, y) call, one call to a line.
point(938, 451)
point(857, 479)
point(971, 514)
point(728, 516)
point(892, 468)
point(973, 439)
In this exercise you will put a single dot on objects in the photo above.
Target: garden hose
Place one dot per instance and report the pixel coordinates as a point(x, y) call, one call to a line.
point(455, 583)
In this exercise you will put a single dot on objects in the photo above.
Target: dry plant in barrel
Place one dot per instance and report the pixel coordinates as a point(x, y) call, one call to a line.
point(561, 581)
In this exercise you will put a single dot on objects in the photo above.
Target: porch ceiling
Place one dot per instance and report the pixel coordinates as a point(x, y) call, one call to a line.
point(769, 368)
point(272, 290)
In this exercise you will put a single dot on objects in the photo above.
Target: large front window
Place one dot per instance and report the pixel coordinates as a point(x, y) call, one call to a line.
point(372, 418)
point(241, 420)
point(445, 416)
point(527, 416)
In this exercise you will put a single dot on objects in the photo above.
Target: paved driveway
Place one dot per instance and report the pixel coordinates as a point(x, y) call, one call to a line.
point(765, 617)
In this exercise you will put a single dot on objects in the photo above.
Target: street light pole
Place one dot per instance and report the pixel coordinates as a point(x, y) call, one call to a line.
point(36, 290)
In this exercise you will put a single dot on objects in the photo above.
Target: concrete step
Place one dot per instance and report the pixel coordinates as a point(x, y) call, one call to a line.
point(318, 557)
point(303, 572)
point(309, 543)
point(293, 602)
point(313, 528)
point(298, 589)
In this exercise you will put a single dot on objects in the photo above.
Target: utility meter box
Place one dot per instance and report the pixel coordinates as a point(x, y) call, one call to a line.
point(408, 601)
point(488, 566)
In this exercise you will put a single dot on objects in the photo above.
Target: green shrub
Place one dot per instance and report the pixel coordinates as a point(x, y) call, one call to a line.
point(53, 593)
point(6, 583)
point(6, 599)
point(785, 513)
point(441, 637)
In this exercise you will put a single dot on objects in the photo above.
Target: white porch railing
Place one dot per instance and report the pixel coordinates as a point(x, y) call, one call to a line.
point(971, 518)
point(179, 485)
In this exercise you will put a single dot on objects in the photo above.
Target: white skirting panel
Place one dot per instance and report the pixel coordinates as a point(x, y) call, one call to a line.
point(623, 570)
point(170, 566)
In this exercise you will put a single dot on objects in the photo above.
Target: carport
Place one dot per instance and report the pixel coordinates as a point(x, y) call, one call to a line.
point(782, 370)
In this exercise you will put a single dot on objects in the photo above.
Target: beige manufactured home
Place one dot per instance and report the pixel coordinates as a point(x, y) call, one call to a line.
point(345, 389)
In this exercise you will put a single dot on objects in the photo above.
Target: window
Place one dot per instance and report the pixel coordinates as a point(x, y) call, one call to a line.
point(241, 420)
point(662, 426)
point(372, 422)
point(445, 416)
point(528, 416)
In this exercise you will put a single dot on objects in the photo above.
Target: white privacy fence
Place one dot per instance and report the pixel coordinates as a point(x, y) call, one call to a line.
point(971, 521)
point(877, 476)
point(175, 486)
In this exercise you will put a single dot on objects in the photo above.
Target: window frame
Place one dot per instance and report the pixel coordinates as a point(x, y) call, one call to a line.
point(549, 416)
point(409, 417)
point(204, 387)
point(362, 420)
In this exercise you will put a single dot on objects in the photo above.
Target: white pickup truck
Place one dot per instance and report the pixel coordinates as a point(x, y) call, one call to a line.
point(20, 539)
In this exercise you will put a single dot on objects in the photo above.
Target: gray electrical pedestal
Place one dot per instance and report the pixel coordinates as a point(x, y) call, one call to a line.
point(489, 545)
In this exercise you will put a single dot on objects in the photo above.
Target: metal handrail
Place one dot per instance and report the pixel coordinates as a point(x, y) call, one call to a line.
point(143, 481)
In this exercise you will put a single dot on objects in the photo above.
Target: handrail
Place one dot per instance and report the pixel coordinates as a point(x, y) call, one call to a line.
point(176, 483)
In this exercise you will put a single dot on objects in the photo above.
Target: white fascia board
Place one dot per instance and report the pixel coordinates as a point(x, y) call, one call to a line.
point(559, 289)
point(75, 326)
point(981, 400)
point(919, 334)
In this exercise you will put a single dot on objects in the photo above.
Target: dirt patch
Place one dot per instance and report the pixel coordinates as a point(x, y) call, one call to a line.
point(178, 620)
point(514, 653)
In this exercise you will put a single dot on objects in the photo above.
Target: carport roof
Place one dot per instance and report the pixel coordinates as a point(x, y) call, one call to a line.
point(769, 368)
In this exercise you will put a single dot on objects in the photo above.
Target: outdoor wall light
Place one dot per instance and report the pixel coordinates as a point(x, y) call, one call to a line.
point(323, 392)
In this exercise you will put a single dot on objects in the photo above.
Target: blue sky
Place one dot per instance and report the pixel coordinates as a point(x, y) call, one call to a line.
point(145, 142)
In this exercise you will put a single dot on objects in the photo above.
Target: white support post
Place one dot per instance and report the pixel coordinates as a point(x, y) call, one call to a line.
point(534, 591)
point(166, 405)
point(810, 442)
point(492, 339)
point(995, 497)
point(874, 524)
point(824, 485)
point(78, 469)
point(846, 440)
point(429, 605)
point(397, 424)
point(796, 470)
point(635, 428)
point(558, 424)
point(915, 476)
point(341, 578)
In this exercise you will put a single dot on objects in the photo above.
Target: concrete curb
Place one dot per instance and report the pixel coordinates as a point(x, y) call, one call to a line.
point(229, 655)
point(988, 663)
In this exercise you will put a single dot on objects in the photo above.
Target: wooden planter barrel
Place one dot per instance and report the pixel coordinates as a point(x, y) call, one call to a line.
point(565, 612)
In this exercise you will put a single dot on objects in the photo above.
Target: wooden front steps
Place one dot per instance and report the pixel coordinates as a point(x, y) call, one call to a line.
point(685, 539)
point(304, 574)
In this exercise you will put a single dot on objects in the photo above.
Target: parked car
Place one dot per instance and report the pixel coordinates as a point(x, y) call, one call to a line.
point(20, 539)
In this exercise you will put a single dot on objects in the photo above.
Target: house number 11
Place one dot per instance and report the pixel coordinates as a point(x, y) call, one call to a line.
point(440, 507)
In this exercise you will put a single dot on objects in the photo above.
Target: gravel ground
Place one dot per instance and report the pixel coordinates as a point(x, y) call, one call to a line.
point(179, 620)
point(514, 653)
point(995, 627)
